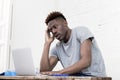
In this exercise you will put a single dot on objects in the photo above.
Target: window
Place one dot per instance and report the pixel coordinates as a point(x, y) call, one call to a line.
point(5, 12)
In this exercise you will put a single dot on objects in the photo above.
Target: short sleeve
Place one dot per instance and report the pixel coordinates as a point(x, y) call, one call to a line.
point(83, 33)
point(53, 52)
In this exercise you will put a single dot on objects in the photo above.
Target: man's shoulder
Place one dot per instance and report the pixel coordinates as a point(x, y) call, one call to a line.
point(79, 27)
point(58, 44)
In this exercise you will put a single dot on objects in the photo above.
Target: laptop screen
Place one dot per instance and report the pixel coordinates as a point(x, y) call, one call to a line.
point(23, 62)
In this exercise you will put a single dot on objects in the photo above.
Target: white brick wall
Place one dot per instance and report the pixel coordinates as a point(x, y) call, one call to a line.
point(103, 19)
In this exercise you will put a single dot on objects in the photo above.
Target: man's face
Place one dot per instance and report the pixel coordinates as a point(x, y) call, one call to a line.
point(59, 28)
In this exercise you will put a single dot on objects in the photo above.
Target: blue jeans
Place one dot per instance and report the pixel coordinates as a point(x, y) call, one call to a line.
point(80, 74)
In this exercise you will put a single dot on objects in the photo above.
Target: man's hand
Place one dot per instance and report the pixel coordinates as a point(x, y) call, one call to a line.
point(50, 72)
point(49, 38)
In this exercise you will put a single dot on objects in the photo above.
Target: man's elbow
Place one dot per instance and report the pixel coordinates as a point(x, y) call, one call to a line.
point(44, 69)
point(41, 70)
point(88, 63)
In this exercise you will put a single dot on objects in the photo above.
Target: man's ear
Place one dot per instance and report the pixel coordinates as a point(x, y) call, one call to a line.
point(65, 22)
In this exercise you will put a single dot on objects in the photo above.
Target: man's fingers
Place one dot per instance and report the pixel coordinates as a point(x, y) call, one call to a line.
point(45, 73)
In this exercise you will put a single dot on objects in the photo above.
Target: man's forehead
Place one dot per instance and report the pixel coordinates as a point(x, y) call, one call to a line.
point(51, 23)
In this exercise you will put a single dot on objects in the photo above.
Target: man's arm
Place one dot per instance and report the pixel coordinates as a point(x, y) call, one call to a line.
point(47, 64)
point(84, 61)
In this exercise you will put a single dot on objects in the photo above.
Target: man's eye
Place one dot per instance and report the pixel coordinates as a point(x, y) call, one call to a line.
point(54, 27)
point(50, 30)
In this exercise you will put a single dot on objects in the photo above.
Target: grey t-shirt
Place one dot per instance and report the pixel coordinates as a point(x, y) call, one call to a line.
point(69, 53)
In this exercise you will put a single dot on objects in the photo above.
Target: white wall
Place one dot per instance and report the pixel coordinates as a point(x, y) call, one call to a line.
point(100, 16)
point(28, 25)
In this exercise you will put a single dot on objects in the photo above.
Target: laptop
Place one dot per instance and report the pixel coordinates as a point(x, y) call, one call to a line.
point(23, 62)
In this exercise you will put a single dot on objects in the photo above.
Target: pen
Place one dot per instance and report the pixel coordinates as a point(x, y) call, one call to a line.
point(59, 75)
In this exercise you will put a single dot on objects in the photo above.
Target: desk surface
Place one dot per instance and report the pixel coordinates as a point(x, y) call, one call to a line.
point(43, 77)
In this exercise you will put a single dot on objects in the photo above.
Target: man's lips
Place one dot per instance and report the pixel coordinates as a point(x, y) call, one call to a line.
point(58, 36)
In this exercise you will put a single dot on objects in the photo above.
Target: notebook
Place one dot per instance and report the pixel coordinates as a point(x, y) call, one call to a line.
point(23, 62)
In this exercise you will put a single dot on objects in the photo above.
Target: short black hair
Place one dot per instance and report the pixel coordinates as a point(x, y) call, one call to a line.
point(54, 15)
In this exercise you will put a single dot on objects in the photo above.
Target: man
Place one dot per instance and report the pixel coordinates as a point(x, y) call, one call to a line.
point(77, 50)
